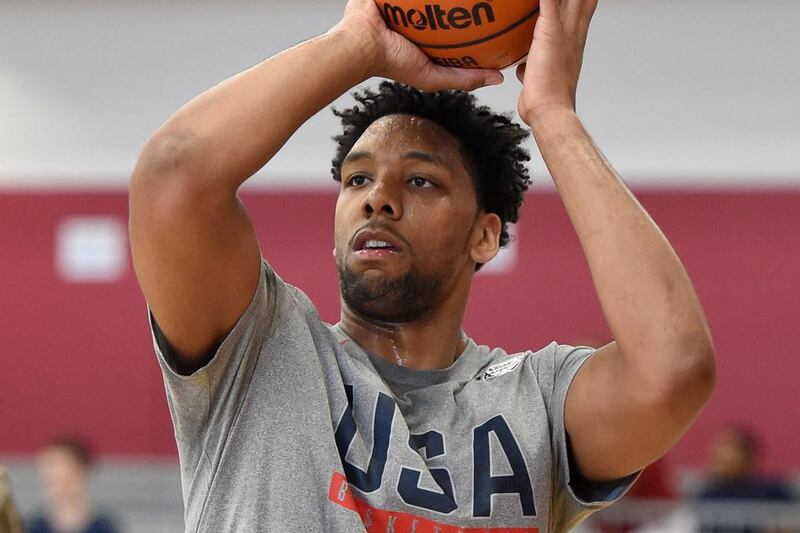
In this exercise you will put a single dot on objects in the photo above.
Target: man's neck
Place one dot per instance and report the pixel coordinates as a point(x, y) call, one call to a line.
point(431, 343)
point(71, 514)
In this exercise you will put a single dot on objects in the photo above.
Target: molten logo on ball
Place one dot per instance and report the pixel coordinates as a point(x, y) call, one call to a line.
point(435, 17)
point(465, 33)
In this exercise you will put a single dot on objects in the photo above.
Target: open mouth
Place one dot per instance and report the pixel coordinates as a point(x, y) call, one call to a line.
point(377, 245)
point(375, 242)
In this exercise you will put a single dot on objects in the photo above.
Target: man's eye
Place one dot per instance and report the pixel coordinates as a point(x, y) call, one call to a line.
point(357, 180)
point(419, 181)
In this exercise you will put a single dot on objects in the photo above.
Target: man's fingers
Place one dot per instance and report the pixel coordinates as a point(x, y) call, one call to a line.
point(587, 14)
point(570, 14)
point(521, 71)
point(577, 16)
point(549, 9)
point(436, 78)
point(590, 8)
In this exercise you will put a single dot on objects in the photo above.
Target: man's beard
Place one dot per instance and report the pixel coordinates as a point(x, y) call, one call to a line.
point(396, 300)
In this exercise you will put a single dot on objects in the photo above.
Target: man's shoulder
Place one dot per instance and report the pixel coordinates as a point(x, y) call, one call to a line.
point(551, 354)
point(498, 361)
point(500, 352)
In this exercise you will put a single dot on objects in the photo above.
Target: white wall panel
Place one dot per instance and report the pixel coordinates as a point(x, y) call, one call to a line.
point(676, 93)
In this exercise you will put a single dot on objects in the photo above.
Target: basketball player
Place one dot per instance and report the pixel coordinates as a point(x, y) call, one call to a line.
point(394, 420)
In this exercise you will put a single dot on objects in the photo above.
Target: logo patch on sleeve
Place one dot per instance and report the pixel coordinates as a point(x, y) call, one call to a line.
point(502, 368)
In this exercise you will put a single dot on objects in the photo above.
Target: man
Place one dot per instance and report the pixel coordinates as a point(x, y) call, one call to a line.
point(393, 419)
point(735, 478)
point(64, 465)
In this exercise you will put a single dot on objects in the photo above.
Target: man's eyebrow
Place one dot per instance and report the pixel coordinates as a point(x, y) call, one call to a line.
point(352, 157)
point(425, 156)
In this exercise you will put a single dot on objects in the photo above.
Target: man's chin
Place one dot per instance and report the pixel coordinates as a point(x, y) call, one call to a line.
point(376, 276)
point(388, 297)
point(376, 311)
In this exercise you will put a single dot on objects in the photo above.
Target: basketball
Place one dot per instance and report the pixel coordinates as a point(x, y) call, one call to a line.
point(466, 33)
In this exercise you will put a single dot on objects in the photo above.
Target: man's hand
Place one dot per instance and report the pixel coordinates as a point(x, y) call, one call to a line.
point(550, 75)
point(395, 57)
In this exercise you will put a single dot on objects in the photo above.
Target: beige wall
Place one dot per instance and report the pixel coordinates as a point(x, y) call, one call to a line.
point(677, 93)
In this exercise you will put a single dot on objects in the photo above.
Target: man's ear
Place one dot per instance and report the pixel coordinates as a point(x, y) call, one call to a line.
point(486, 237)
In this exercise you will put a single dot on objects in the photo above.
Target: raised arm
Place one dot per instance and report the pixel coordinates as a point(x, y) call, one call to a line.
point(635, 398)
point(194, 249)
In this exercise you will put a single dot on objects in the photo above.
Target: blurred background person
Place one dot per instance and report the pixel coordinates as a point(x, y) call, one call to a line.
point(734, 476)
point(733, 470)
point(64, 469)
point(9, 519)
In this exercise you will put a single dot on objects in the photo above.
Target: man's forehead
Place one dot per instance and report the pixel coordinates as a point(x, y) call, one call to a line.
point(407, 126)
point(401, 120)
point(402, 133)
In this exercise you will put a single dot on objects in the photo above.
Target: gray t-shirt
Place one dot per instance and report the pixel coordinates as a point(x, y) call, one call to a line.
point(294, 427)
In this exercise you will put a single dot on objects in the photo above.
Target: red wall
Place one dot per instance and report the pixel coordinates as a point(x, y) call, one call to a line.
point(78, 356)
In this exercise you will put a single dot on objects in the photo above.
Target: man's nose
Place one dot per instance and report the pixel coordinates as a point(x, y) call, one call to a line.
point(384, 199)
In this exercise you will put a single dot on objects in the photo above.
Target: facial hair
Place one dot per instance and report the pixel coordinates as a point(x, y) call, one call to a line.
point(395, 300)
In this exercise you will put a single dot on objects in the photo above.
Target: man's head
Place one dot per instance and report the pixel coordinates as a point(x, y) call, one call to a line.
point(64, 467)
point(429, 184)
point(734, 454)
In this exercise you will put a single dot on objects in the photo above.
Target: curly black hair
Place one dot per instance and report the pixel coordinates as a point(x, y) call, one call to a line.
point(490, 142)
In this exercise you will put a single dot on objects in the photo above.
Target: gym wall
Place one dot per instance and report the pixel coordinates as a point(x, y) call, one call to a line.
point(694, 103)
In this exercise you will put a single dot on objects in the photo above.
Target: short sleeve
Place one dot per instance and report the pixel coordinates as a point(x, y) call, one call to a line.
point(214, 393)
point(574, 497)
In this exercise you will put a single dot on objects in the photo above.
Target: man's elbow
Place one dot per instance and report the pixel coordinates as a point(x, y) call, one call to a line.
point(690, 380)
point(170, 185)
point(167, 156)
point(703, 375)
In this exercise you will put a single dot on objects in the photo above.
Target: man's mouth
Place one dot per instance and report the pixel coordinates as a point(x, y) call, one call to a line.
point(376, 243)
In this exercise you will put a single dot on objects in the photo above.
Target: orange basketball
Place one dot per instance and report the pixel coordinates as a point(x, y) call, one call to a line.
point(466, 33)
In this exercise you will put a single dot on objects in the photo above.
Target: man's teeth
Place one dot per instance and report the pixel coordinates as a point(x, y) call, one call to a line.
point(377, 244)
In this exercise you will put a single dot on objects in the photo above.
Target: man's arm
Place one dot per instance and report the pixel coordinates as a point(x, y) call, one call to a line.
point(194, 249)
point(633, 400)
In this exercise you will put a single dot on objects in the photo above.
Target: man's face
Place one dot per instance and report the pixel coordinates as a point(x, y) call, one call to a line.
point(63, 477)
point(407, 219)
point(729, 457)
